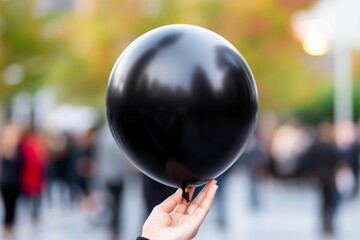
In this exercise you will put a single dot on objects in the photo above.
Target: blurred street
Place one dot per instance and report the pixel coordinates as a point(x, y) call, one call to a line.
point(284, 211)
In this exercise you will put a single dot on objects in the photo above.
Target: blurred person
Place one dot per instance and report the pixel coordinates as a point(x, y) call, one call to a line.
point(220, 199)
point(10, 168)
point(175, 218)
point(33, 150)
point(288, 143)
point(321, 160)
point(253, 159)
point(57, 168)
point(349, 149)
point(111, 169)
point(81, 165)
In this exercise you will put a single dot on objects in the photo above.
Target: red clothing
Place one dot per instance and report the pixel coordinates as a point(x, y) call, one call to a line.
point(32, 174)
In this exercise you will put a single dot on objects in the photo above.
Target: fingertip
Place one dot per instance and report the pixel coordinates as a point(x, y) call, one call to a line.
point(205, 204)
point(213, 181)
point(213, 190)
point(178, 192)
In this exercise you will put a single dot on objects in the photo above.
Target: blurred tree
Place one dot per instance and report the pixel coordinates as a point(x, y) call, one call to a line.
point(73, 44)
point(356, 86)
point(25, 50)
point(321, 106)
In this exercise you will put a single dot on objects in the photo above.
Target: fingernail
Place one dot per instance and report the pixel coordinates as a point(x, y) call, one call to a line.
point(213, 190)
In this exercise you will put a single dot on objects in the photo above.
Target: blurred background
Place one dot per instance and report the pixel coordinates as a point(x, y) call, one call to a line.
point(299, 176)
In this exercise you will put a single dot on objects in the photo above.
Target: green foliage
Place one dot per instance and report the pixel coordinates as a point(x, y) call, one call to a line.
point(73, 50)
point(321, 107)
point(356, 92)
point(22, 43)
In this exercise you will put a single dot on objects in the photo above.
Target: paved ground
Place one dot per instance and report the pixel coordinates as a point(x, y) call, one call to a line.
point(287, 211)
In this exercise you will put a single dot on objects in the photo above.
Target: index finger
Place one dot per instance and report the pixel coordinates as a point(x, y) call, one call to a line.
point(200, 197)
point(204, 207)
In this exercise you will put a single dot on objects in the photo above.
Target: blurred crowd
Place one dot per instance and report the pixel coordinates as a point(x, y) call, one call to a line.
point(72, 168)
point(325, 156)
point(59, 167)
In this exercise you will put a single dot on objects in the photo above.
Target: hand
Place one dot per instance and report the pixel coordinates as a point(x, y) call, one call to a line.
point(176, 219)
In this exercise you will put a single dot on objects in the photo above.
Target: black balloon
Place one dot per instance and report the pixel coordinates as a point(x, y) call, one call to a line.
point(182, 103)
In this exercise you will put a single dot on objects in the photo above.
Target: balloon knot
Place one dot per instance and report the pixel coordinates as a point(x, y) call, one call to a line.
point(185, 194)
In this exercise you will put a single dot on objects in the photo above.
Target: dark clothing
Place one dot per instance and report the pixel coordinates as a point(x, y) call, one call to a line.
point(321, 161)
point(10, 171)
point(57, 173)
point(351, 156)
point(10, 196)
point(10, 185)
point(58, 170)
point(252, 159)
point(115, 191)
point(82, 163)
